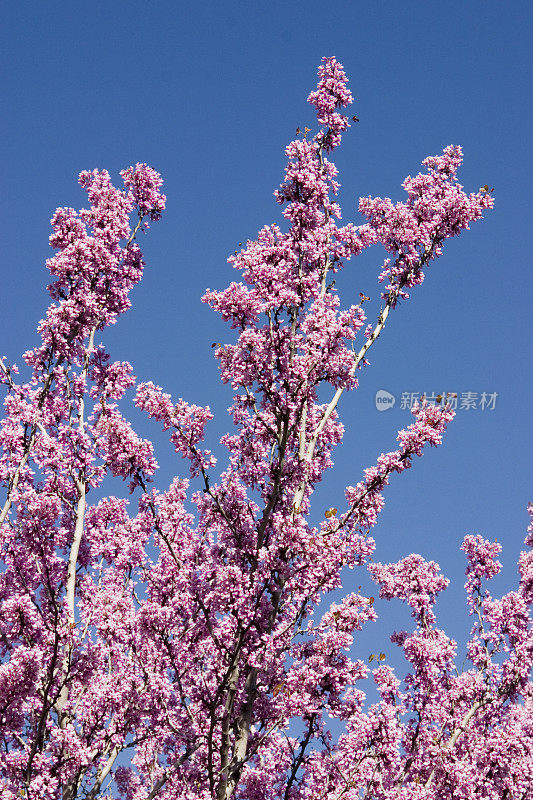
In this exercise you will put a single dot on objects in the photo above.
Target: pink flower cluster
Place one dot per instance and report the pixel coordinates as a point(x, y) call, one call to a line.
point(144, 184)
point(332, 93)
point(413, 231)
point(482, 561)
point(188, 422)
point(411, 579)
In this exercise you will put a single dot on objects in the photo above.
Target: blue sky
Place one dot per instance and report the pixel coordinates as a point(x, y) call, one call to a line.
point(210, 93)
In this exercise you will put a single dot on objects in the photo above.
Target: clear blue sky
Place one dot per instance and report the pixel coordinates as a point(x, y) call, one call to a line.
point(209, 93)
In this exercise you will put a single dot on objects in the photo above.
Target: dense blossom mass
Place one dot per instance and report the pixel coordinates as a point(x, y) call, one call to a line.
point(178, 644)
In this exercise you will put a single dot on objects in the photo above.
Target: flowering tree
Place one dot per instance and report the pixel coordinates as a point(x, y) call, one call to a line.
point(149, 652)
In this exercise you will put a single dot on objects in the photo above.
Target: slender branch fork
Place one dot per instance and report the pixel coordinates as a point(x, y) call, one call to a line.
point(308, 452)
point(42, 397)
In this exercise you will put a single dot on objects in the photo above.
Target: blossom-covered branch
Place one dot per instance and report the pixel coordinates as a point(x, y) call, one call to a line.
point(177, 643)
